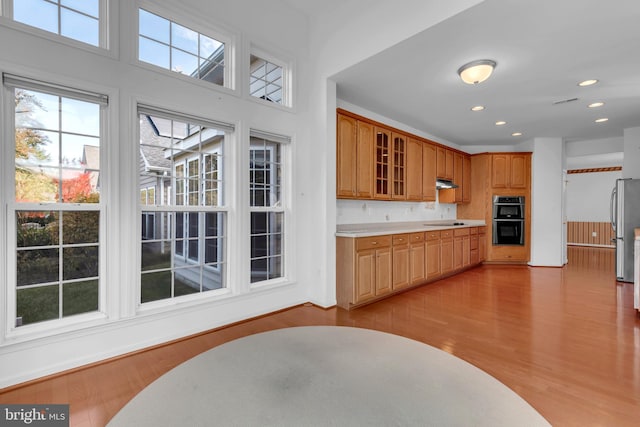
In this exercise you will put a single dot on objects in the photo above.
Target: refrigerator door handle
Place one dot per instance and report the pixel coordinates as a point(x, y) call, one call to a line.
point(613, 207)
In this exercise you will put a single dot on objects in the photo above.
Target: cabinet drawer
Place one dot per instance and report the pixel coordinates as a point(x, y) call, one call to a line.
point(474, 242)
point(461, 232)
point(446, 234)
point(416, 237)
point(432, 235)
point(372, 242)
point(473, 230)
point(400, 239)
point(482, 229)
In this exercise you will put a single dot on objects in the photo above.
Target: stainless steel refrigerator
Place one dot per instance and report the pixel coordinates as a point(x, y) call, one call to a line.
point(625, 216)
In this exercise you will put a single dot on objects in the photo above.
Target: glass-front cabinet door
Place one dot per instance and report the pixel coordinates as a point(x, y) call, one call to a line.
point(383, 163)
point(399, 166)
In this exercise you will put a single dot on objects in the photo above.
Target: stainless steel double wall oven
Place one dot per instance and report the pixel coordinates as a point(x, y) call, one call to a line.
point(508, 220)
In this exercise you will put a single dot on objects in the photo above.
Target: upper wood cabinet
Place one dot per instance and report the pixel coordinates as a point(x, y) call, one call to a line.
point(399, 166)
point(466, 179)
point(382, 169)
point(510, 170)
point(429, 172)
point(445, 163)
point(364, 163)
point(346, 153)
point(414, 169)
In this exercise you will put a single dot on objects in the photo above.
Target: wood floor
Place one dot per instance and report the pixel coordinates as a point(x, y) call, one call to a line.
point(565, 339)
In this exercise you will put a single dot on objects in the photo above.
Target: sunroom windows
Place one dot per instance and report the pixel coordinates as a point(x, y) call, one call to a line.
point(184, 228)
point(56, 206)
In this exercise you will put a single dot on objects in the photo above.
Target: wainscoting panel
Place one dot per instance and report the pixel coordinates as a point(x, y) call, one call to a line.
point(589, 233)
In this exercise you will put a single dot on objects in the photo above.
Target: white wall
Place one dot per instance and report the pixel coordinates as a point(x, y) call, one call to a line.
point(547, 246)
point(631, 165)
point(588, 195)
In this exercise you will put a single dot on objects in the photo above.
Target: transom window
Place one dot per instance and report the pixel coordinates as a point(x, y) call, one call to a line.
point(76, 19)
point(174, 47)
point(57, 208)
point(266, 80)
point(183, 219)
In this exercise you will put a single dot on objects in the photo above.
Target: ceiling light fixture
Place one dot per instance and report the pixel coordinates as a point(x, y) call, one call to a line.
point(476, 71)
point(588, 82)
point(501, 123)
point(477, 108)
point(596, 104)
point(602, 120)
point(516, 134)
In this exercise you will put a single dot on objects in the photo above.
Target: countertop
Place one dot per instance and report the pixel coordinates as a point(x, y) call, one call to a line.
point(382, 228)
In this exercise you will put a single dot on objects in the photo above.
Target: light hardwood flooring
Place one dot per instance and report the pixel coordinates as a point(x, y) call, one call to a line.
point(565, 339)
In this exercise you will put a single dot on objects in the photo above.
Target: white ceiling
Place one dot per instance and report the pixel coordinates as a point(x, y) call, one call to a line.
point(543, 49)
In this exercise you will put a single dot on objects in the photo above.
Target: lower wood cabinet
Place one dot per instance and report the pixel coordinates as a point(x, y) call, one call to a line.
point(370, 268)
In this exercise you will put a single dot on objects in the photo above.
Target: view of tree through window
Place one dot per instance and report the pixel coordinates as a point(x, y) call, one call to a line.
point(57, 166)
point(183, 220)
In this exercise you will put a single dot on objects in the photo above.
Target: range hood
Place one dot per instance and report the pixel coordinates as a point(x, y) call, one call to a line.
point(444, 183)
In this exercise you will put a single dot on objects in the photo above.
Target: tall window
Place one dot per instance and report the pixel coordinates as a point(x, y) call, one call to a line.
point(56, 207)
point(76, 19)
point(266, 205)
point(183, 227)
point(267, 80)
point(174, 47)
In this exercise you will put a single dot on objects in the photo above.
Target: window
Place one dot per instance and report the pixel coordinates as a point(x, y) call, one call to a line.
point(266, 80)
point(76, 19)
point(174, 47)
point(57, 208)
point(266, 205)
point(183, 225)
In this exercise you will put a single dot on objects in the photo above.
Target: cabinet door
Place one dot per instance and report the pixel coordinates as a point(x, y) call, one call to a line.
point(500, 170)
point(365, 275)
point(364, 160)
point(518, 171)
point(446, 252)
point(417, 258)
point(383, 278)
point(399, 166)
point(414, 169)
point(458, 176)
point(346, 157)
point(433, 259)
point(429, 172)
point(400, 267)
point(441, 162)
point(382, 187)
point(482, 244)
point(458, 253)
point(466, 251)
point(466, 179)
point(449, 165)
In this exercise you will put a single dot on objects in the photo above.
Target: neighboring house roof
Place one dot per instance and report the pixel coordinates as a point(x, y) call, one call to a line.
point(152, 146)
point(91, 162)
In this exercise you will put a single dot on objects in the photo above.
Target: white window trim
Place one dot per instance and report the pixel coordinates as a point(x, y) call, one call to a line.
point(288, 77)
point(108, 44)
point(195, 23)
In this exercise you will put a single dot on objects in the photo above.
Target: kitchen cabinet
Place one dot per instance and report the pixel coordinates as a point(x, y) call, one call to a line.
point(510, 170)
point(482, 244)
point(474, 251)
point(461, 248)
point(382, 170)
point(354, 157)
point(398, 166)
point(429, 172)
point(401, 261)
point(414, 162)
point(445, 163)
point(433, 254)
point(462, 178)
point(446, 252)
point(466, 179)
point(417, 258)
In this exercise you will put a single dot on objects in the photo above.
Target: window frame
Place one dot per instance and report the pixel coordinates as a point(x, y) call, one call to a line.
point(9, 83)
point(207, 28)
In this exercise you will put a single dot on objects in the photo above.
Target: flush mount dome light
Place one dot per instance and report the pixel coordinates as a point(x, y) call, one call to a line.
point(477, 108)
point(476, 71)
point(589, 82)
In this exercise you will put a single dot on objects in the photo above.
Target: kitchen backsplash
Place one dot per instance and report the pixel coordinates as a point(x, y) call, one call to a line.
point(374, 211)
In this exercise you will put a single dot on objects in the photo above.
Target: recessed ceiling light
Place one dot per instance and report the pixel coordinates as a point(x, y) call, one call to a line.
point(588, 82)
point(477, 108)
point(516, 134)
point(602, 120)
point(596, 104)
point(501, 123)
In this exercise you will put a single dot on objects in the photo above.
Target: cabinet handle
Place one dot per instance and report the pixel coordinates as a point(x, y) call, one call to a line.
point(374, 243)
